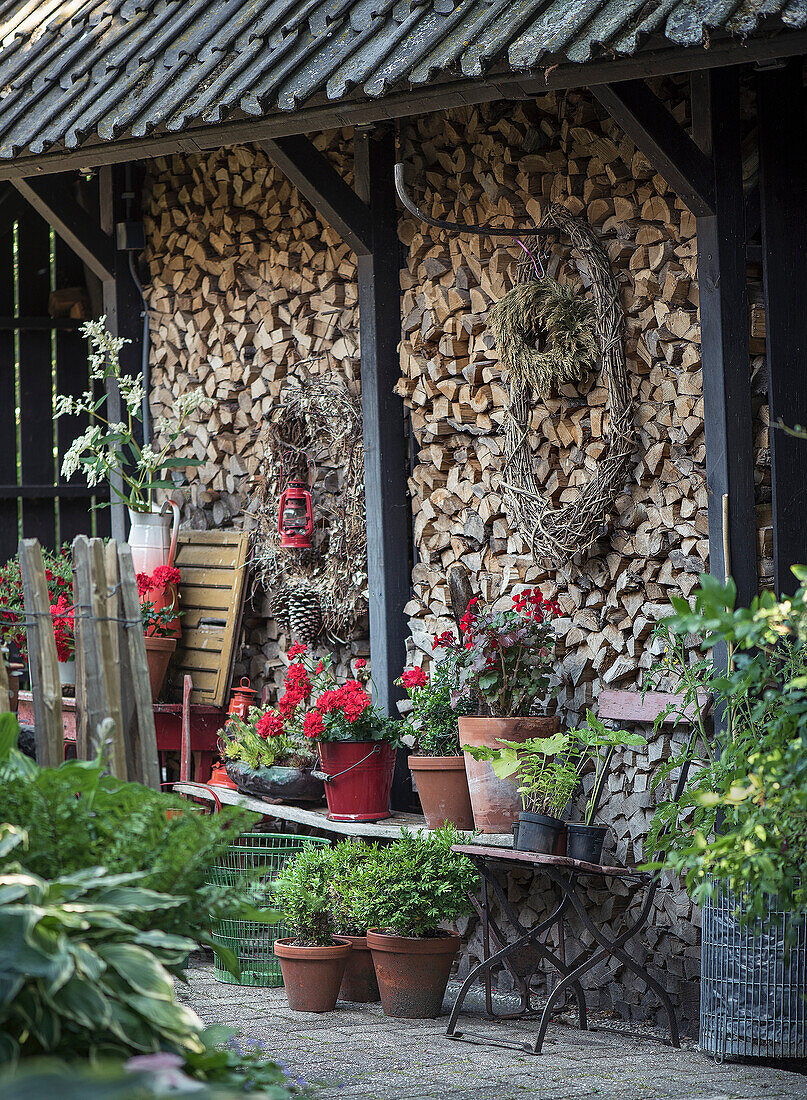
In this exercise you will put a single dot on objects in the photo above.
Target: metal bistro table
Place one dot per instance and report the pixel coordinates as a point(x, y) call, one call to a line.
point(523, 955)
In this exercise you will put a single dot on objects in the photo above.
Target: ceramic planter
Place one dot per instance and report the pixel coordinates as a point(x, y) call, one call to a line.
point(359, 983)
point(442, 785)
point(289, 785)
point(312, 975)
point(153, 537)
point(158, 655)
point(67, 673)
point(585, 841)
point(412, 973)
point(495, 801)
point(361, 779)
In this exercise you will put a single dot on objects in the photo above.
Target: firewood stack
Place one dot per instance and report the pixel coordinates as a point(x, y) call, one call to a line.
point(497, 165)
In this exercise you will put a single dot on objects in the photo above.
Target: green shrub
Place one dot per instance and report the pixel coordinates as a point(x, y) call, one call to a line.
point(351, 862)
point(416, 883)
point(77, 817)
point(77, 977)
point(302, 894)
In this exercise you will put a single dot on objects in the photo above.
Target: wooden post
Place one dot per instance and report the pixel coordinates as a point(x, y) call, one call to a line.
point(43, 661)
point(724, 333)
point(141, 740)
point(5, 693)
point(782, 192)
point(89, 606)
point(83, 751)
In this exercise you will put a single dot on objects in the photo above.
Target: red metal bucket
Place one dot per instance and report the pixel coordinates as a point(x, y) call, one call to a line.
point(361, 779)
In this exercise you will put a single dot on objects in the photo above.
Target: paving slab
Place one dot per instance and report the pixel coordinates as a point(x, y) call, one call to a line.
point(357, 1053)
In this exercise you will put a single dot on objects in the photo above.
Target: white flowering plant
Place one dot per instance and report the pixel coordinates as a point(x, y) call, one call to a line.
point(108, 450)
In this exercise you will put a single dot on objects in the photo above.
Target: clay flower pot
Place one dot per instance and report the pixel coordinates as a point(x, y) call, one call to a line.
point(412, 973)
point(158, 654)
point(496, 802)
point(359, 984)
point(442, 785)
point(312, 975)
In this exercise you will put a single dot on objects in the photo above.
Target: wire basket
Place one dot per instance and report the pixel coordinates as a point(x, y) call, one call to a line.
point(753, 982)
point(252, 942)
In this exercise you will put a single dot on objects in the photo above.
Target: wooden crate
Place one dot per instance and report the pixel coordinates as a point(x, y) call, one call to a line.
point(213, 568)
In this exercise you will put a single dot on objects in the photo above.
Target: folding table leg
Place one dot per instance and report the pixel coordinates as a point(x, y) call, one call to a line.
point(185, 743)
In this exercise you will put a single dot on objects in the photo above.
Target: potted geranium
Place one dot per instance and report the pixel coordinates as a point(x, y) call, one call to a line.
point(312, 958)
point(109, 451)
point(503, 659)
point(437, 764)
point(355, 741)
point(266, 760)
point(160, 611)
point(59, 578)
point(415, 886)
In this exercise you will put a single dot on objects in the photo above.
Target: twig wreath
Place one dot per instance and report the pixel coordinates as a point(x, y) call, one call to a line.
point(324, 588)
point(558, 534)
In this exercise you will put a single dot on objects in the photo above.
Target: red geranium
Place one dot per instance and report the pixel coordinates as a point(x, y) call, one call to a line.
point(313, 724)
point(269, 725)
point(297, 650)
point(62, 613)
point(414, 678)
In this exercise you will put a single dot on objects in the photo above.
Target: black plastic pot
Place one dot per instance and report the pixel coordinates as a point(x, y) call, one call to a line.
point(585, 842)
point(537, 833)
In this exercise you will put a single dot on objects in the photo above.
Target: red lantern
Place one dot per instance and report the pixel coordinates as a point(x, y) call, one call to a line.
point(295, 518)
point(242, 698)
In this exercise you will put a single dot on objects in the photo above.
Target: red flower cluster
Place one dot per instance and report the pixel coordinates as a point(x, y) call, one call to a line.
point(414, 678)
point(466, 622)
point(361, 663)
point(297, 687)
point(531, 604)
point(442, 641)
point(269, 725)
point(62, 614)
point(350, 698)
point(313, 724)
point(297, 650)
point(162, 576)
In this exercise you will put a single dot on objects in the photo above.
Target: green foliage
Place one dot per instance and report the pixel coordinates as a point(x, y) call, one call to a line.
point(742, 820)
point(78, 976)
point(588, 743)
point(242, 741)
point(302, 894)
point(414, 884)
point(77, 817)
point(351, 898)
point(545, 766)
point(433, 720)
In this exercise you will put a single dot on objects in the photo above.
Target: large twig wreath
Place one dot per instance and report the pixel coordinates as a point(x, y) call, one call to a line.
point(326, 585)
point(557, 534)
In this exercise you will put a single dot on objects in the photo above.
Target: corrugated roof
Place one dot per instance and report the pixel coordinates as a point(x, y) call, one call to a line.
point(73, 70)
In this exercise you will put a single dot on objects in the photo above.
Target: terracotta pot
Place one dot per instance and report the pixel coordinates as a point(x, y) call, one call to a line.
point(312, 975)
point(496, 802)
point(412, 973)
point(442, 786)
point(361, 781)
point(359, 984)
point(158, 654)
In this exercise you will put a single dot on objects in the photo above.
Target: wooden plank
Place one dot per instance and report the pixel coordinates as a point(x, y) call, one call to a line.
point(42, 659)
point(672, 152)
point(635, 706)
point(9, 527)
point(218, 537)
point(53, 200)
point(388, 829)
point(36, 380)
point(783, 185)
point(5, 694)
point(107, 634)
point(209, 556)
point(141, 742)
point(209, 577)
point(724, 335)
point(95, 700)
point(318, 181)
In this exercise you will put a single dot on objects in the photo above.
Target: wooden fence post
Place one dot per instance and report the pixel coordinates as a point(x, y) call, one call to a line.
point(141, 740)
point(5, 693)
point(43, 661)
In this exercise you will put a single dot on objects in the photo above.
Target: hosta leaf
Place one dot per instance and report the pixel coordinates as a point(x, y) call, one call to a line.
point(83, 1002)
point(139, 969)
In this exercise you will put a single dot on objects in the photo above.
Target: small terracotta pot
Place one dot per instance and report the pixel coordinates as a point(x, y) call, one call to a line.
point(442, 785)
point(359, 983)
point(496, 802)
point(412, 973)
point(312, 975)
point(158, 654)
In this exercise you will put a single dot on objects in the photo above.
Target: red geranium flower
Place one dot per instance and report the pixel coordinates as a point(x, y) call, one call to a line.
point(269, 725)
point(164, 575)
point(360, 662)
point(297, 650)
point(313, 724)
point(414, 678)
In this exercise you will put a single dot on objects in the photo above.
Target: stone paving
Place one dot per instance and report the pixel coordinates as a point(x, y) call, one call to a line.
point(356, 1053)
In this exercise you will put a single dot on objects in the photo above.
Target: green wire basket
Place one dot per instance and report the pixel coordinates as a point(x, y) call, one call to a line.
point(253, 943)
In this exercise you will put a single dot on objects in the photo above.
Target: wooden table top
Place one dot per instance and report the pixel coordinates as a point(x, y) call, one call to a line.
point(537, 860)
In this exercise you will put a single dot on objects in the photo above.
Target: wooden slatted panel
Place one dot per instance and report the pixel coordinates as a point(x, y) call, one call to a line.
point(635, 706)
point(213, 566)
point(36, 380)
point(9, 536)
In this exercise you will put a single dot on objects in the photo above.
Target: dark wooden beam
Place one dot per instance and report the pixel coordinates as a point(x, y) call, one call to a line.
point(385, 452)
point(52, 198)
point(724, 335)
point(319, 182)
point(783, 198)
point(665, 143)
point(436, 96)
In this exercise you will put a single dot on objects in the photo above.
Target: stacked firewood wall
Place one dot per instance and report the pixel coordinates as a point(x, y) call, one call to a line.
point(248, 286)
